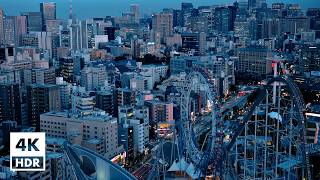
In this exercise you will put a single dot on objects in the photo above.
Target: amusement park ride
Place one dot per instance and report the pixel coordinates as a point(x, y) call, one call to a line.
point(268, 142)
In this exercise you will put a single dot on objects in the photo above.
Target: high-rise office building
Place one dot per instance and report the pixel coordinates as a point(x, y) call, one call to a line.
point(66, 65)
point(293, 10)
point(10, 105)
point(87, 33)
point(110, 31)
point(65, 93)
point(9, 30)
point(126, 130)
point(125, 96)
point(194, 42)
point(254, 60)
point(48, 12)
point(1, 26)
point(294, 24)
point(224, 18)
point(241, 29)
point(255, 28)
point(74, 27)
point(65, 38)
point(34, 21)
point(2, 54)
point(105, 100)
point(133, 128)
point(39, 76)
point(270, 28)
point(314, 15)
point(52, 26)
point(21, 28)
point(42, 98)
point(42, 40)
point(7, 54)
point(198, 24)
point(177, 18)
point(79, 64)
point(8, 126)
point(135, 48)
point(277, 6)
point(186, 6)
point(252, 4)
point(309, 58)
point(186, 9)
point(186, 13)
point(92, 78)
point(30, 40)
point(134, 8)
point(163, 24)
point(84, 34)
point(13, 28)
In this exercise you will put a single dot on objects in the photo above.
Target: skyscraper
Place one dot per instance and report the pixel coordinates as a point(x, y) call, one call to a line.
point(163, 24)
point(309, 58)
point(75, 33)
point(252, 4)
point(48, 12)
point(10, 106)
point(21, 28)
point(194, 42)
point(135, 12)
point(186, 9)
point(225, 17)
point(40, 99)
point(1, 27)
point(9, 30)
point(13, 28)
point(110, 31)
point(135, 48)
point(294, 24)
point(52, 26)
point(34, 21)
point(67, 68)
point(186, 6)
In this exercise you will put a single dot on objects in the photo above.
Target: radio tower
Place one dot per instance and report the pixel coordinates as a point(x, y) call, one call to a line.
point(70, 9)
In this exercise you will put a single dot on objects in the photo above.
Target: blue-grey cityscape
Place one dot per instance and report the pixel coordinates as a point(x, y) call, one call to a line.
point(148, 90)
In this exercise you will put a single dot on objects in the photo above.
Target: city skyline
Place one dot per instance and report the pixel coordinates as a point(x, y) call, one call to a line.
point(100, 8)
point(198, 89)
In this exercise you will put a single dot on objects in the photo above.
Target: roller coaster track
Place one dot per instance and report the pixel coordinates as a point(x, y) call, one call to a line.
point(217, 153)
point(297, 98)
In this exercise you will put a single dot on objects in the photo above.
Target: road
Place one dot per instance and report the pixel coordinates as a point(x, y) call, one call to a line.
point(234, 101)
point(204, 124)
point(143, 172)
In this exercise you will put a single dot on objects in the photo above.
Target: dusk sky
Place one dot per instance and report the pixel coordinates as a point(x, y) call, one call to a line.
point(100, 8)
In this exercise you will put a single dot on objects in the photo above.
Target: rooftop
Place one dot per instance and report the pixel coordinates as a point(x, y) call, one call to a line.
point(58, 141)
point(96, 115)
